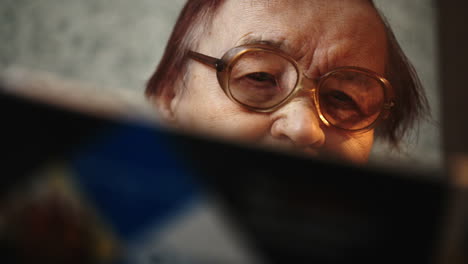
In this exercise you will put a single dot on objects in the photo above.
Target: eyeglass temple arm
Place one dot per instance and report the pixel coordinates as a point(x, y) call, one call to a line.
point(207, 60)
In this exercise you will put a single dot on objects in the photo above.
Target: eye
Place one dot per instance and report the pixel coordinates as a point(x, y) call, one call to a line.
point(341, 100)
point(262, 77)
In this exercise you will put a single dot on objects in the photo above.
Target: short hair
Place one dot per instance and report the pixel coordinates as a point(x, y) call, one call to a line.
point(410, 100)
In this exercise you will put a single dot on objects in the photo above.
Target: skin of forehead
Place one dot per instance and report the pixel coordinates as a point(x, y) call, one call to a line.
point(320, 34)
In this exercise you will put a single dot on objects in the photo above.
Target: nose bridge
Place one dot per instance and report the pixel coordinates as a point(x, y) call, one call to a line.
point(307, 88)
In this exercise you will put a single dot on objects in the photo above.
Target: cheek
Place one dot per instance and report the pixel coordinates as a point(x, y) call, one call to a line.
point(355, 148)
point(205, 108)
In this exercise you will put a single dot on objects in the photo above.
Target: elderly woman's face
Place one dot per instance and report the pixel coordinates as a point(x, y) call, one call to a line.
point(320, 35)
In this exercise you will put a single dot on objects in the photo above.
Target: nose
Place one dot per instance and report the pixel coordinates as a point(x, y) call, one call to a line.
point(299, 123)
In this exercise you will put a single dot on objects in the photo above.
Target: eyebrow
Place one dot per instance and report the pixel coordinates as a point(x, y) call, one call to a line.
point(250, 40)
point(280, 44)
point(253, 40)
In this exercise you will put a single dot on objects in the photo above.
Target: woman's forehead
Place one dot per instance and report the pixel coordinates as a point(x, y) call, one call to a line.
point(301, 17)
point(297, 26)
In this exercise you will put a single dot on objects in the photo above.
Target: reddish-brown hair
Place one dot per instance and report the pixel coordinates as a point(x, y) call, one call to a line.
point(410, 100)
point(410, 103)
point(173, 61)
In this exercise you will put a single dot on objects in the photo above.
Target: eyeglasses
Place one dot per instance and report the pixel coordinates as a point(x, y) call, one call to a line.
point(263, 79)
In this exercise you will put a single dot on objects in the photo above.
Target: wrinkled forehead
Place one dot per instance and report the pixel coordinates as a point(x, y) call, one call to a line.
point(298, 26)
point(300, 10)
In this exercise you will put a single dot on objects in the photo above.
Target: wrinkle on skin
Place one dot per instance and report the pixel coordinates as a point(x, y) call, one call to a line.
point(320, 35)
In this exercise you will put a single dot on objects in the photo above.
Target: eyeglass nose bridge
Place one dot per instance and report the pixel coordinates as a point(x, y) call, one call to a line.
point(308, 87)
point(307, 84)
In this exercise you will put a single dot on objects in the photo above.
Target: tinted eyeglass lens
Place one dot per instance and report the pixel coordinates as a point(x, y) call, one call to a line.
point(351, 100)
point(262, 79)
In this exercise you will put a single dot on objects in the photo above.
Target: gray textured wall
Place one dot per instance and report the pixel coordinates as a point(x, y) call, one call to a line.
point(112, 43)
point(117, 43)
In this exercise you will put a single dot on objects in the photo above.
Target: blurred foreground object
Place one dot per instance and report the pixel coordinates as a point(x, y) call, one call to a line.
point(46, 222)
point(79, 179)
point(49, 88)
point(132, 178)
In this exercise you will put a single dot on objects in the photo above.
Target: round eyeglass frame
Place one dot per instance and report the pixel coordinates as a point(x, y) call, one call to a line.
point(224, 66)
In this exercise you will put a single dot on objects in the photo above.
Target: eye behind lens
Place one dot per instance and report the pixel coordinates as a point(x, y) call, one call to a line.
point(262, 79)
point(350, 100)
